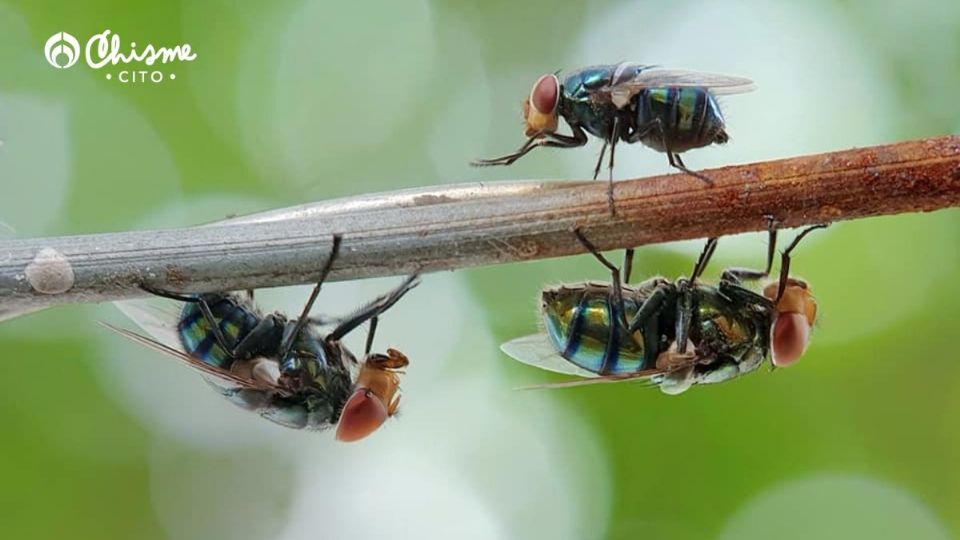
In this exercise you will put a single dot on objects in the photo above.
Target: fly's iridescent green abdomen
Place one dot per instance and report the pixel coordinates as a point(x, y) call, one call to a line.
point(689, 117)
point(234, 319)
point(579, 322)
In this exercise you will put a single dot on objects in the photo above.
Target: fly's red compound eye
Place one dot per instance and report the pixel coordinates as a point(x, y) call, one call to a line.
point(789, 338)
point(796, 313)
point(545, 94)
point(363, 413)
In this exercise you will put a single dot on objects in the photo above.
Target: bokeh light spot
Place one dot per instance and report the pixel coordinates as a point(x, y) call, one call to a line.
point(834, 506)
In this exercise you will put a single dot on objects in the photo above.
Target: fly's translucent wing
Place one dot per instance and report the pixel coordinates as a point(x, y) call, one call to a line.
point(222, 376)
point(536, 350)
point(716, 83)
point(157, 320)
point(600, 379)
point(6, 231)
point(630, 82)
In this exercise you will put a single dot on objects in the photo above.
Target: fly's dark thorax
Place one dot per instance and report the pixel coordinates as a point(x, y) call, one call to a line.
point(308, 353)
point(576, 105)
point(690, 118)
point(317, 378)
point(317, 404)
point(580, 321)
point(319, 375)
point(313, 409)
point(730, 332)
point(234, 318)
point(314, 365)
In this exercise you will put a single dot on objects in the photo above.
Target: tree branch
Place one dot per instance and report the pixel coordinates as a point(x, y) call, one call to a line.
point(449, 227)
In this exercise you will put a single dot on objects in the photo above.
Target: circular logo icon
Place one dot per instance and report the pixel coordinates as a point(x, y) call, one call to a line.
point(62, 50)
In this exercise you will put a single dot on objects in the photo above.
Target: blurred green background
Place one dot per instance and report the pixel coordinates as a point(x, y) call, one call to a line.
point(293, 101)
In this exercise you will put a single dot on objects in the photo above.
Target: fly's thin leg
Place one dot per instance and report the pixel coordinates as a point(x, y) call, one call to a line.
point(647, 320)
point(685, 296)
point(733, 276)
point(253, 342)
point(785, 258)
point(370, 333)
point(552, 140)
point(677, 163)
point(373, 309)
point(704, 259)
point(627, 264)
point(204, 309)
point(656, 126)
point(650, 329)
point(651, 307)
point(614, 136)
point(684, 316)
point(741, 295)
point(323, 320)
point(800, 236)
point(215, 327)
point(596, 253)
point(578, 137)
point(614, 273)
point(737, 275)
point(603, 151)
point(509, 158)
point(170, 295)
point(302, 320)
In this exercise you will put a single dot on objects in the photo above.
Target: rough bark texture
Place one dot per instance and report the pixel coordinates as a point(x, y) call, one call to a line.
point(449, 227)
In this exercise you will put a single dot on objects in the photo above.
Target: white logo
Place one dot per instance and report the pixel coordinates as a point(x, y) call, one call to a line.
point(60, 45)
point(105, 50)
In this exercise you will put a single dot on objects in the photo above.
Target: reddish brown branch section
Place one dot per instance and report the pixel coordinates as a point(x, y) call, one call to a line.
point(913, 176)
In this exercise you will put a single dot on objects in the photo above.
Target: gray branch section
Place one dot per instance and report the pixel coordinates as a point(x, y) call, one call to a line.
point(426, 229)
